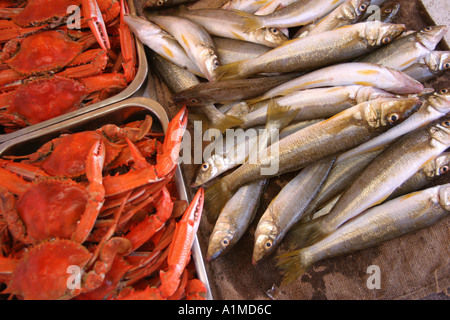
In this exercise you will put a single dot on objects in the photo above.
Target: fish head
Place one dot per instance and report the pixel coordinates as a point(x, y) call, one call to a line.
point(441, 164)
point(154, 3)
point(440, 101)
point(438, 61)
point(439, 132)
point(220, 241)
point(270, 36)
point(354, 10)
point(389, 11)
point(385, 113)
point(210, 63)
point(379, 33)
point(265, 237)
point(185, 98)
point(430, 36)
point(444, 196)
point(207, 172)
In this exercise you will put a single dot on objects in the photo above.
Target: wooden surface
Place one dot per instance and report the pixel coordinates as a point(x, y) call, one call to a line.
point(414, 266)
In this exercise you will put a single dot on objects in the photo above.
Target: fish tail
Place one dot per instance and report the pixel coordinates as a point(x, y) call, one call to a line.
point(283, 115)
point(292, 264)
point(216, 197)
point(226, 122)
point(230, 71)
point(251, 22)
point(306, 234)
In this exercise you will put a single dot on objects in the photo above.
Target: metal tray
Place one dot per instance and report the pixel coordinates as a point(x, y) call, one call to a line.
point(129, 110)
point(133, 87)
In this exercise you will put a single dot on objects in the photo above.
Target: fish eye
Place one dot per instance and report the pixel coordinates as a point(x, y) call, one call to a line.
point(447, 66)
point(444, 169)
point(427, 29)
point(446, 123)
point(387, 10)
point(393, 118)
point(269, 244)
point(274, 30)
point(205, 166)
point(216, 63)
point(443, 91)
point(194, 100)
point(160, 3)
point(225, 242)
point(386, 40)
point(362, 7)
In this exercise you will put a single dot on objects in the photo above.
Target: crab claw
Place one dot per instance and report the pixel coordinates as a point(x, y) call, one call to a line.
point(180, 248)
point(93, 15)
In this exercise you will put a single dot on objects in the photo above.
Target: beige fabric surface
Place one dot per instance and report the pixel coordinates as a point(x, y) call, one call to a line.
point(413, 266)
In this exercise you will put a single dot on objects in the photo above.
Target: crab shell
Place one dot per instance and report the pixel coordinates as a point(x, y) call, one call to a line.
point(42, 273)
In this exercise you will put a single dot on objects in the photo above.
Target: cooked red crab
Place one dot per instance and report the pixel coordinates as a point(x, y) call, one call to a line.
point(47, 97)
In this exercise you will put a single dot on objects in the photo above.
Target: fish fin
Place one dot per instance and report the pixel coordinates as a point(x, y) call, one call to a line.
point(251, 22)
point(292, 265)
point(256, 100)
point(216, 197)
point(306, 234)
point(230, 71)
point(283, 115)
point(226, 122)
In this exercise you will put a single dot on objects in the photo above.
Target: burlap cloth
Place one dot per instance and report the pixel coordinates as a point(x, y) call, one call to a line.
point(414, 266)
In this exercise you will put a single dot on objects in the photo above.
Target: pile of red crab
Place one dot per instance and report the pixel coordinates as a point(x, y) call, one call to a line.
point(59, 55)
point(96, 215)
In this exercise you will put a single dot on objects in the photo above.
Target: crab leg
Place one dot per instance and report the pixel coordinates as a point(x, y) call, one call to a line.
point(166, 162)
point(93, 14)
point(180, 248)
point(94, 167)
point(127, 46)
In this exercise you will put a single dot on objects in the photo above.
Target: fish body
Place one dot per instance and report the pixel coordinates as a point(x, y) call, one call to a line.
point(250, 6)
point(234, 219)
point(195, 40)
point(288, 207)
point(298, 13)
point(318, 102)
point(230, 24)
point(228, 90)
point(317, 51)
point(161, 42)
point(178, 79)
point(431, 66)
point(406, 50)
point(345, 74)
point(341, 132)
point(374, 226)
point(381, 177)
point(272, 6)
point(232, 50)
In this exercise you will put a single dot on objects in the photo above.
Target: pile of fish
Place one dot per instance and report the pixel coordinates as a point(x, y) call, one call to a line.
point(343, 85)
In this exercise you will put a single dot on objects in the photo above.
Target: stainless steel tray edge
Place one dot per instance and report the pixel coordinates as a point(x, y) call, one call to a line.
point(153, 107)
point(133, 87)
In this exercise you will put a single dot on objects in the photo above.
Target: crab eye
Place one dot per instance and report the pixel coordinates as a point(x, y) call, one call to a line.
point(393, 118)
point(444, 169)
point(386, 40)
